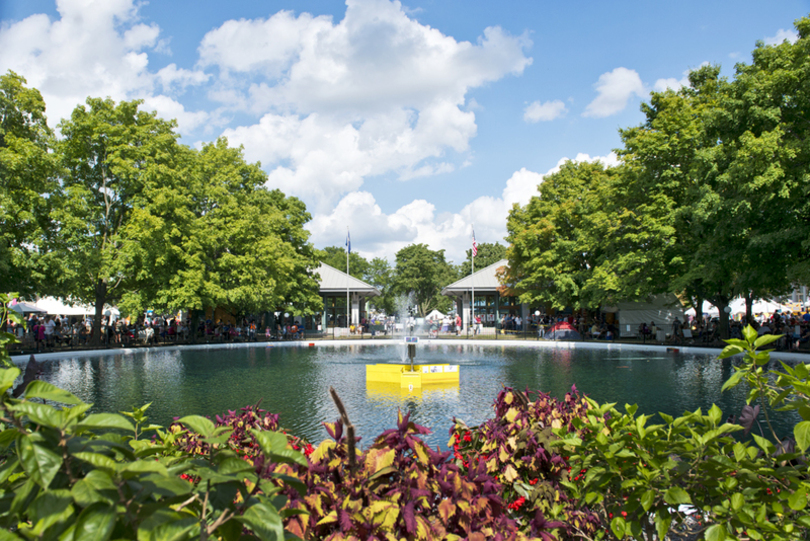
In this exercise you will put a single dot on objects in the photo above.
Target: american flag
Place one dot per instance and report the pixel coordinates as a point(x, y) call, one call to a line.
point(475, 245)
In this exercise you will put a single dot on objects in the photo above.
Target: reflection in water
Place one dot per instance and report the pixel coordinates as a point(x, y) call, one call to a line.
point(294, 382)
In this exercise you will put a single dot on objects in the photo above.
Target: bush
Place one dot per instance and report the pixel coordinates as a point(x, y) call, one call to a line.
point(644, 479)
point(517, 445)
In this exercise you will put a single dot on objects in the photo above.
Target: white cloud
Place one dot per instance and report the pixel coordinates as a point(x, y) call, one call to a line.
point(549, 110)
point(95, 48)
point(615, 88)
point(166, 107)
point(782, 35)
point(376, 93)
point(375, 234)
point(673, 83)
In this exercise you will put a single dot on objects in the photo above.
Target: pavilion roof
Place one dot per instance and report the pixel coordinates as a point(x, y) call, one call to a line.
point(484, 280)
point(335, 281)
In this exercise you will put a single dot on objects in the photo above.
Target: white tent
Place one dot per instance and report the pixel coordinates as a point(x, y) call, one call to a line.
point(24, 308)
point(58, 307)
point(708, 309)
point(760, 306)
point(660, 309)
point(435, 315)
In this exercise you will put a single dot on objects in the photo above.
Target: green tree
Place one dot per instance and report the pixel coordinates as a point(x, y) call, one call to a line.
point(119, 163)
point(423, 272)
point(488, 253)
point(701, 219)
point(230, 243)
point(765, 153)
point(381, 275)
point(335, 256)
point(27, 178)
point(557, 240)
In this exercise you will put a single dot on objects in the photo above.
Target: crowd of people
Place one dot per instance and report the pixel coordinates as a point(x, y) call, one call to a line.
point(48, 332)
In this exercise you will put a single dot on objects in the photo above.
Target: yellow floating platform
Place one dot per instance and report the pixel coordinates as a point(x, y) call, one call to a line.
point(423, 374)
point(384, 392)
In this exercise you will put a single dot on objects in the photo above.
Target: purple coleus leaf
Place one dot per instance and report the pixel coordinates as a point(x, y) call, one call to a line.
point(748, 416)
point(410, 519)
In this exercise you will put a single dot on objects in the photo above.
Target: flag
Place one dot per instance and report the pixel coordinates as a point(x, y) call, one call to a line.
point(475, 246)
point(348, 242)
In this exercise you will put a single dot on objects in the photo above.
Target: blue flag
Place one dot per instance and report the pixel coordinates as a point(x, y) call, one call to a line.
point(348, 242)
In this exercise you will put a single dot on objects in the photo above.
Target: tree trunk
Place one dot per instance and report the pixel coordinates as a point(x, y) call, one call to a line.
point(722, 303)
point(101, 297)
point(697, 303)
point(749, 308)
point(192, 326)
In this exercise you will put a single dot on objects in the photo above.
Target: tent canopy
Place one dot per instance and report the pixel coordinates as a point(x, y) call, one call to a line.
point(59, 307)
point(24, 308)
point(563, 331)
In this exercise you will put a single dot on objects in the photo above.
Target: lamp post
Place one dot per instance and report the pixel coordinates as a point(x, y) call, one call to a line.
point(727, 310)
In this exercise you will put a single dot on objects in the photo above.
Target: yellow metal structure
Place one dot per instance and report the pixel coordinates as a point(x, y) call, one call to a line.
point(392, 392)
point(423, 374)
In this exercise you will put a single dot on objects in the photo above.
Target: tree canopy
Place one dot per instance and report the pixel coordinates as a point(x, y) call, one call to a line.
point(709, 199)
point(116, 211)
point(27, 179)
point(423, 273)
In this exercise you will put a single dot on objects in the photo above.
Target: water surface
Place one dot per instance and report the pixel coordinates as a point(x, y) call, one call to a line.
point(294, 382)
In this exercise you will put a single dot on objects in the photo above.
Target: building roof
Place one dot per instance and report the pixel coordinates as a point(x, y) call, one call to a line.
point(335, 281)
point(484, 281)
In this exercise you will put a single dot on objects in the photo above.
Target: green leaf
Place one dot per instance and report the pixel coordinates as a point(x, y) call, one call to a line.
point(766, 339)
point(647, 500)
point(145, 466)
point(730, 351)
point(41, 414)
point(265, 522)
point(98, 460)
point(46, 391)
point(737, 501)
point(618, 526)
point(8, 468)
point(48, 509)
point(95, 523)
point(274, 446)
point(41, 464)
point(716, 532)
point(798, 500)
point(7, 378)
point(111, 421)
point(715, 414)
point(662, 523)
point(764, 444)
point(676, 496)
point(802, 434)
point(733, 380)
point(739, 452)
point(750, 334)
point(8, 436)
point(167, 525)
point(202, 426)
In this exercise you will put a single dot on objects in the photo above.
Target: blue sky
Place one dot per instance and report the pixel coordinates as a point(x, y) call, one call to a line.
point(407, 122)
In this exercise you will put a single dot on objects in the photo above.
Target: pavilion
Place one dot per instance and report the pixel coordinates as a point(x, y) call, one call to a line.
point(489, 303)
point(334, 286)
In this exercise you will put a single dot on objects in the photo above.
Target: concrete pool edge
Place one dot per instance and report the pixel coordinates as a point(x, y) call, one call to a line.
point(545, 344)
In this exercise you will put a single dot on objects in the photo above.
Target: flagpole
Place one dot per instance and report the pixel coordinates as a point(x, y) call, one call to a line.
point(348, 306)
point(472, 282)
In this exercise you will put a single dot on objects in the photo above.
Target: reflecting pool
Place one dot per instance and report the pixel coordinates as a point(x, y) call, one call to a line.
point(294, 382)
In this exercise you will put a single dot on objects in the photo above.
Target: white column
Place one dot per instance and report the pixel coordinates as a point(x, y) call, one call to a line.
point(355, 309)
point(465, 311)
